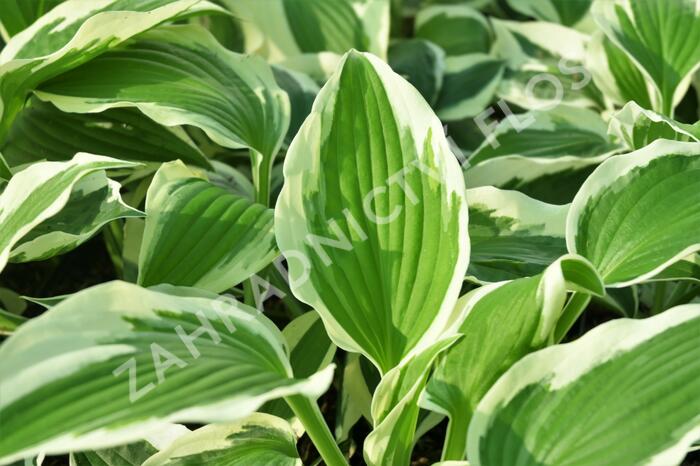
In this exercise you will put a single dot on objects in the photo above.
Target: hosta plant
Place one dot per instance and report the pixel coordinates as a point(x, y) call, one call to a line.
point(382, 232)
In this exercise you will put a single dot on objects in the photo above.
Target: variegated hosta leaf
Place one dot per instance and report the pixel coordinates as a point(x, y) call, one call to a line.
point(17, 15)
point(94, 201)
point(542, 73)
point(180, 75)
point(40, 192)
point(310, 350)
point(566, 12)
point(115, 362)
point(257, 440)
point(501, 323)
point(132, 454)
point(376, 237)
point(661, 39)
point(42, 132)
point(422, 63)
point(73, 33)
point(512, 235)
point(615, 73)
point(638, 213)
point(638, 127)
point(395, 407)
point(541, 152)
point(578, 403)
point(457, 29)
point(198, 234)
point(280, 29)
point(469, 85)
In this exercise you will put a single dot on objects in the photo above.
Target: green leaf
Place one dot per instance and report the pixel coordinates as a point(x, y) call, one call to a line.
point(355, 397)
point(94, 201)
point(501, 323)
point(200, 235)
point(116, 362)
point(660, 38)
point(395, 407)
point(384, 257)
point(278, 29)
point(71, 34)
point(638, 127)
point(422, 63)
point(566, 12)
point(512, 235)
point(457, 29)
point(259, 439)
point(545, 154)
point(615, 73)
point(132, 454)
point(577, 403)
point(42, 132)
point(469, 85)
point(638, 213)
point(180, 75)
point(17, 15)
point(40, 192)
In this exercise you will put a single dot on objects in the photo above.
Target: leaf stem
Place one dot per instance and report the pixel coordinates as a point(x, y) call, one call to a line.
point(310, 416)
point(456, 439)
point(262, 169)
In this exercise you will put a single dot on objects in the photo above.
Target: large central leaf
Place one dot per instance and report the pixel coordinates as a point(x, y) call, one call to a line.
point(373, 210)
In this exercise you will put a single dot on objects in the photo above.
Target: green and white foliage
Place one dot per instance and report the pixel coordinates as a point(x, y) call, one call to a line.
point(200, 235)
point(94, 201)
point(471, 75)
point(638, 213)
point(71, 34)
point(41, 191)
point(614, 73)
point(469, 85)
point(43, 132)
point(127, 361)
point(566, 12)
point(346, 221)
point(578, 402)
point(282, 29)
point(180, 75)
point(257, 440)
point(660, 38)
point(532, 151)
point(637, 127)
point(421, 63)
point(302, 91)
point(541, 72)
point(512, 235)
point(131, 454)
point(457, 29)
point(17, 15)
point(500, 324)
